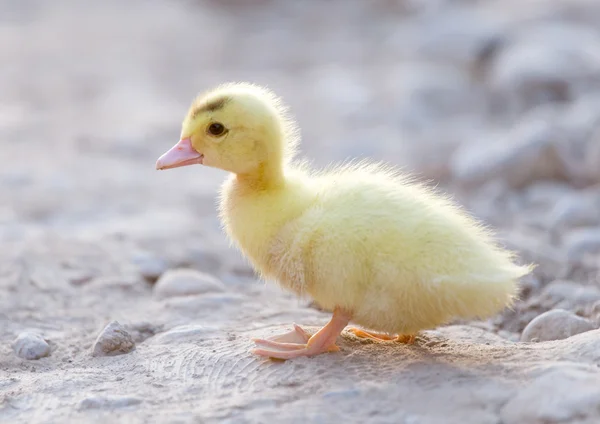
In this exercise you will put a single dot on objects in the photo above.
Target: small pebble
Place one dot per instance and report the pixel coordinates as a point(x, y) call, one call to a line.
point(556, 324)
point(185, 282)
point(151, 267)
point(30, 346)
point(113, 340)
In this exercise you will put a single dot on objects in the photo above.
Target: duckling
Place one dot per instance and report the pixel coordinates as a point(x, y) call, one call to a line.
point(363, 240)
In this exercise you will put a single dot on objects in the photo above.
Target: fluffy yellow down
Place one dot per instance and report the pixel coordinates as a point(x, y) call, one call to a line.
point(363, 237)
point(395, 254)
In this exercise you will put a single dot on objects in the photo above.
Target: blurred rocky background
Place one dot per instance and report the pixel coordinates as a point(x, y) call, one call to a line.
point(498, 102)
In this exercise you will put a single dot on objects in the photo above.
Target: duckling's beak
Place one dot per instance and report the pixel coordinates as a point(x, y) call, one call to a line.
point(181, 154)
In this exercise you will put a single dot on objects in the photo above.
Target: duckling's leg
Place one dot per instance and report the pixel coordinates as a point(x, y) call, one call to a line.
point(406, 338)
point(380, 337)
point(322, 341)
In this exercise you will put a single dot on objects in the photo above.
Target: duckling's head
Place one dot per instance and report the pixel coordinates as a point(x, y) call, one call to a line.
point(237, 127)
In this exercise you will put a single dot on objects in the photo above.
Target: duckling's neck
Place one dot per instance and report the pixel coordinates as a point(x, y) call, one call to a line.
point(266, 176)
point(254, 209)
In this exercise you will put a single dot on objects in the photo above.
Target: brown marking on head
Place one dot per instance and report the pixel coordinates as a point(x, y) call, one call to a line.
point(211, 106)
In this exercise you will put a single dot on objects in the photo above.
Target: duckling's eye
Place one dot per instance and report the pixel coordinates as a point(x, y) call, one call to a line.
point(216, 129)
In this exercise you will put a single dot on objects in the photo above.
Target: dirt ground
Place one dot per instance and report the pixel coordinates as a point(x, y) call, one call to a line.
point(497, 101)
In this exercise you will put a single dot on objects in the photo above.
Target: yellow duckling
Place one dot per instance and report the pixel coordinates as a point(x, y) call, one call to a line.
point(361, 239)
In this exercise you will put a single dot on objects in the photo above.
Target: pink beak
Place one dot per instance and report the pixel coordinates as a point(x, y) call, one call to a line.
point(181, 154)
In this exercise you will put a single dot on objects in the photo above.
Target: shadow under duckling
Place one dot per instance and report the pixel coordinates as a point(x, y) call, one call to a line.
point(362, 239)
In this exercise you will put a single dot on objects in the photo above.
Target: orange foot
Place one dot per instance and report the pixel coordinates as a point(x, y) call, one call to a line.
point(298, 343)
point(381, 337)
point(406, 338)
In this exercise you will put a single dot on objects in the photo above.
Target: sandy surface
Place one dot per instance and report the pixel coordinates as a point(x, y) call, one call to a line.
point(498, 101)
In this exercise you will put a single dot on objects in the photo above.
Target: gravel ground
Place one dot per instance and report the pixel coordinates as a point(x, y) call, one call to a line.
point(496, 101)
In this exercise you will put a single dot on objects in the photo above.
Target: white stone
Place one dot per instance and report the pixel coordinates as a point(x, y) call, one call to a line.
point(556, 324)
point(185, 282)
point(113, 340)
point(30, 346)
point(150, 266)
